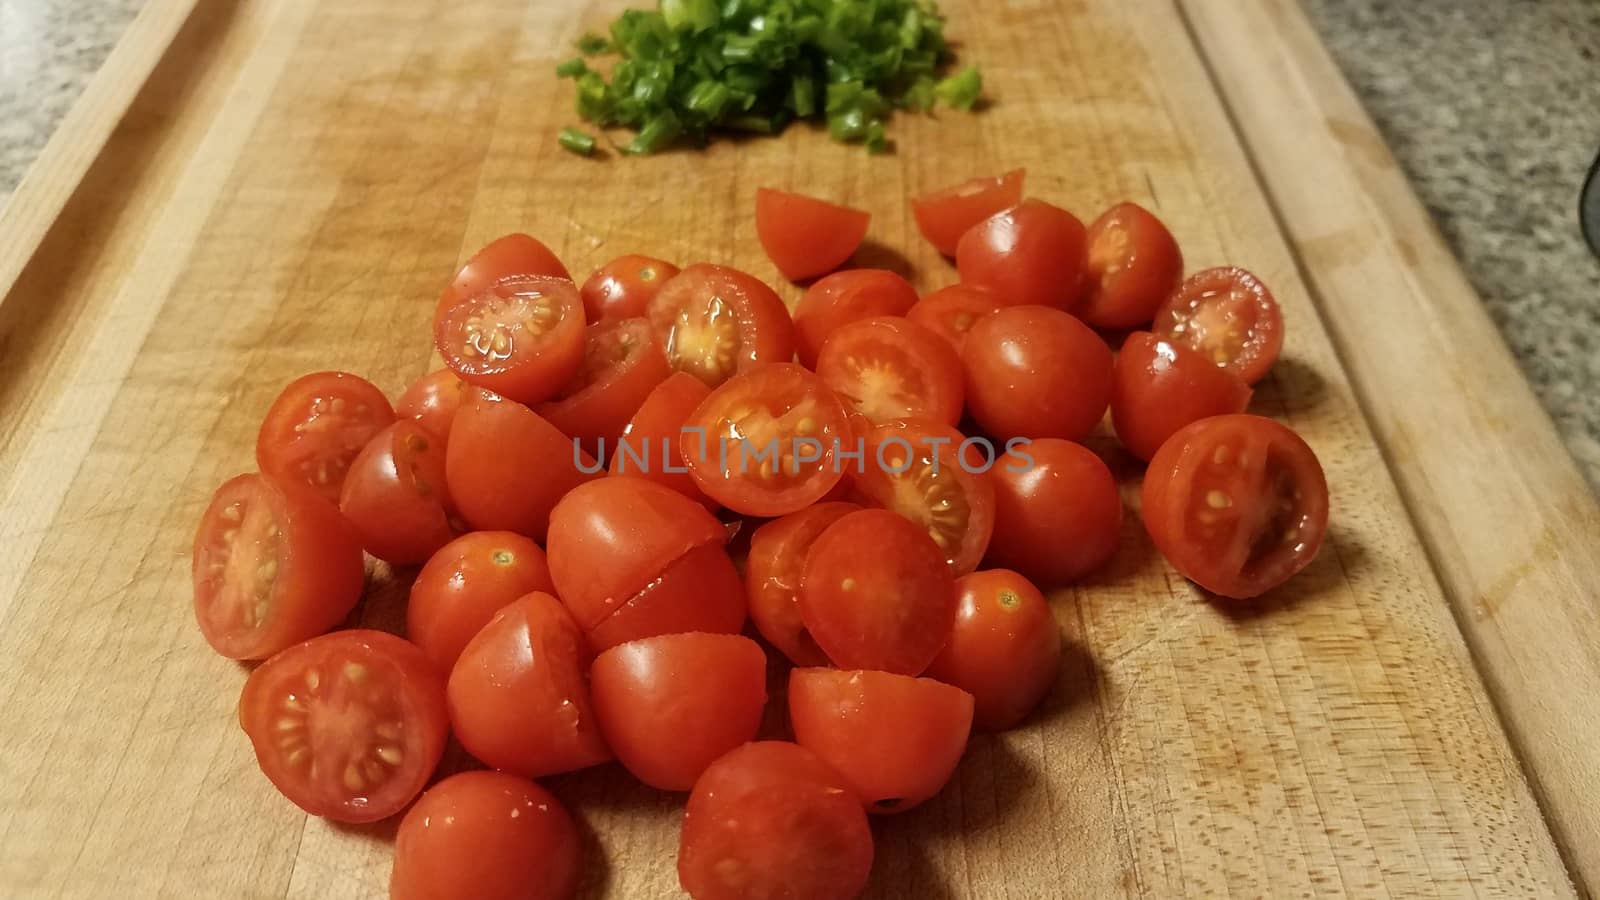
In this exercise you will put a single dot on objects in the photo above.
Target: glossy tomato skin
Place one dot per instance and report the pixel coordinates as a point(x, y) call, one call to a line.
point(896, 739)
point(772, 578)
point(1159, 387)
point(1036, 372)
point(770, 819)
point(889, 367)
point(464, 584)
point(518, 698)
point(624, 287)
point(507, 466)
point(943, 216)
point(950, 312)
point(929, 473)
point(1005, 649)
point(844, 297)
point(1134, 266)
point(1058, 515)
point(623, 364)
point(432, 401)
point(1229, 316)
point(715, 321)
point(649, 447)
point(806, 237)
point(348, 725)
point(396, 495)
point(1032, 254)
point(289, 549)
point(506, 836)
point(699, 591)
point(315, 428)
point(521, 337)
point(670, 705)
point(1238, 504)
point(509, 256)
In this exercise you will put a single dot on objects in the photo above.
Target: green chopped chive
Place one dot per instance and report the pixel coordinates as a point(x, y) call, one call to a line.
point(572, 68)
point(696, 14)
point(962, 89)
point(591, 44)
point(577, 142)
point(656, 133)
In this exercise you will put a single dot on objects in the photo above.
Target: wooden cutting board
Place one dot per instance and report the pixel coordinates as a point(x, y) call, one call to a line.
point(254, 189)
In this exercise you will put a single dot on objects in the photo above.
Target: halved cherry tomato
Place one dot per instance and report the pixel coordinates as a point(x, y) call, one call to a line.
point(1134, 265)
point(700, 591)
point(622, 365)
point(465, 584)
point(349, 725)
point(769, 819)
point(273, 565)
point(507, 466)
point(892, 368)
point(876, 593)
point(518, 697)
point(845, 297)
point(624, 287)
point(1036, 372)
point(1005, 649)
point(506, 836)
point(894, 738)
point(669, 706)
point(509, 256)
point(766, 441)
point(1238, 504)
point(1229, 316)
point(806, 237)
point(649, 447)
point(396, 497)
point(714, 321)
point(1057, 513)
point(950, 312)
point(432, 400)
point(1031, 254)
point(931, 474)
point(943, 216)
point(316, 427)
point(772, 578)
point(1159, 387)
point(521, 337)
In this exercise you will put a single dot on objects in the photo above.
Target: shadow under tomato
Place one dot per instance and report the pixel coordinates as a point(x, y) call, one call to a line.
point(381, 831)
point(874, 255)
point(1290, 387)
point(594, 861)
point(383, 603)
point(1340, 559)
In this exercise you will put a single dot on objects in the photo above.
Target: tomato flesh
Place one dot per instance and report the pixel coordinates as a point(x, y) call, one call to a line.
point(1005, 649)
point(464, 584)
point(806, 237)
point(845, 297)
point(1159, 387)
point(624, 287)
point(950, 312)
point(522, 337)
point(315, 428)
point(622, 365)
point(943, 216)
point(1229, 316)
point(1134, 266)
point(919, 469)
point(714, 321)
point(892, 368)
point(1057, 512)
point(1031, 254)
point(772, 576)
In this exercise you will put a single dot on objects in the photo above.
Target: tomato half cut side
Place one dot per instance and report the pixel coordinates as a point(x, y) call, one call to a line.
point(507, 466)
point(932, 475)
point(463, 585)
point(522, 337)
point(509, 256)
point(624, 287)
point(806, 237)
point(1031, 254)
point(714, 321)
point(943, 216)
point(772, 578)
point(1005, 649)
point(892, 368)
point(432, 401)
point(845, 297)
point(1134, 265)
point(396, 496)
point(950, 312)
point(1238, 504)
point(1057, 511)
point(622, 365)
point(1158, 387)
point(315, 428)
point(1229, 316)
point(649, 446)
point(349, 725)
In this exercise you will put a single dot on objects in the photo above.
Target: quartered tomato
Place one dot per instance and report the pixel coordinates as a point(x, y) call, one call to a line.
point(622, 365)
point(1036, 372)
point(1134, 265)
point(700, 591)
point(1057, 513)
point(845, 297)
point(892, 368)
point(507, 466)
point(1005, 649)
point(806, 237)
point(772, 578)
point(521, 337)
point(624, 287)
point(943, 216)
point(714, 321)
point(649, 447)
point(1031, 254)
point(510, 256)
point(1160, 387)
point(929, 473)
point(465, 584)
point(432, 401)
point(1238, 504)
point(767, 441)
point(349, 725)
point(273, 564)
point(1229, 316)
point(316, 427)
point(396, 497)
point(950, 312)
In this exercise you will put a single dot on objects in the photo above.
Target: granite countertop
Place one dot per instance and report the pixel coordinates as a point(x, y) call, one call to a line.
point(1493, 108)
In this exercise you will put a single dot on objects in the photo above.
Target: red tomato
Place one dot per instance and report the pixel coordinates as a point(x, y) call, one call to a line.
point(522, 337)
point(669, 706)
point(845, 297)
point(1134, 265)
point(507, 466)
point(624, 287)
point(700, 591)
point(875, 593)
point(510, 256)
point(1159, 387)
point(772, 578)
point(1005, 649)
point(465, 584)
point(396, 497)
point(806, 237)
point(715, 321)
point(273, 564)
point(894, 738)
point(950, 312)
point(649, 446)
point(892, 368)
point(508, 838)
point(771, 820)
point(1057, 513)
point(1238, 504)
point(1229, 316)
point(921, 470)
point(1033, 254)
point(432, 401)
point(518, 698)
point(622, 365)
point(316, 427)
point(943, 216)
point(349, 725)
point(766, 442)
point(1036, 372)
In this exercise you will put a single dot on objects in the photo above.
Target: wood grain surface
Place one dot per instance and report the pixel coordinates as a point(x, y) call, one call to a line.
point(290, 190)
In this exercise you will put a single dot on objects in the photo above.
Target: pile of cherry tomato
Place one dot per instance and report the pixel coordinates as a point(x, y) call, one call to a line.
point(566, 488)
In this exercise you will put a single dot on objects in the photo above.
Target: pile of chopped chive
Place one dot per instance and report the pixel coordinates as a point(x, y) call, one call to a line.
point(694, 67)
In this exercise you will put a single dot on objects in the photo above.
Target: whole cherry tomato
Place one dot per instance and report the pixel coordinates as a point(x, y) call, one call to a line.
point(624, 287)
point(464, 584)
point(1030, 254)
point(1057, 514)
point(1005, 649)
point(1158, 387)
point(1036, 372)
point(772, 577)
point(432, 401)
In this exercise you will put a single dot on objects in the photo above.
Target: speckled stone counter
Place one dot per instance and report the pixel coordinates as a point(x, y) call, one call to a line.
point(1492, 106)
